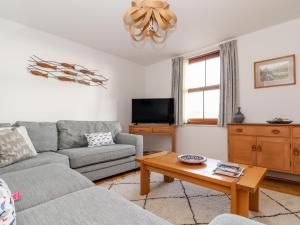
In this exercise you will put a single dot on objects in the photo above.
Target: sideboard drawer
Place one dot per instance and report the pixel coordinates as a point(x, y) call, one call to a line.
point(296, 132)
point(243, 130)
point(161, 130)
point(142, 130)
point(274, 131)
point(267, 131)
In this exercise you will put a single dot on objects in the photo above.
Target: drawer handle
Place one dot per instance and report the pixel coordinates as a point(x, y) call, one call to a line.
point(259, 149)
point(253, 148)
point(239, 130)
point(276, 131)
point(296, 152)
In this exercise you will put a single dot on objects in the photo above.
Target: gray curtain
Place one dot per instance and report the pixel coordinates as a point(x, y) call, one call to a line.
point(229, 85)
point(177, 88)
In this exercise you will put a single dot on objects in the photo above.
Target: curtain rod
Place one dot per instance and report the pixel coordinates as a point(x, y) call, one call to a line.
point(204, 50)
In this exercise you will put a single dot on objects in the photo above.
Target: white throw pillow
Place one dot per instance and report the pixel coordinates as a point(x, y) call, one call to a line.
point(22, 130)
point(7, 207)
point(99, 139)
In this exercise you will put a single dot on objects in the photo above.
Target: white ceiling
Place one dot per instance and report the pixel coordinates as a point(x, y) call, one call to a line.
point(98, 23)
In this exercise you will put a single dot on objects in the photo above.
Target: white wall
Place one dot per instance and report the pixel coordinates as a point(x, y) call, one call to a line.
point(26, 97)
point(258, 105)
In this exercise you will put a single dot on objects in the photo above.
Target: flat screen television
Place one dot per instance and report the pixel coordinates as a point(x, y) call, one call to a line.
point(154, 110)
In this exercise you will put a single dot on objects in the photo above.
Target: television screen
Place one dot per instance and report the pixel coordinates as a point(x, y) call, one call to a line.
point(159, 110)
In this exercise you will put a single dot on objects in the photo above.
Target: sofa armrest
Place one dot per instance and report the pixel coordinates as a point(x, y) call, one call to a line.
point(131, 139)
point(229, 219)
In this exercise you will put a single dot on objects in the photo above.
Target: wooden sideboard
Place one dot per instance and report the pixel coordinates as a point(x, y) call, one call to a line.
point(275, 147)
point(155, 129)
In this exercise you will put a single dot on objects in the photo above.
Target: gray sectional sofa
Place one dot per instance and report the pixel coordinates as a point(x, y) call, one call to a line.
point(54, 194)
point(64, 142)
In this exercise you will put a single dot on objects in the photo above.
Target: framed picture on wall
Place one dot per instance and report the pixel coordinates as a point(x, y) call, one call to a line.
point(275, 72)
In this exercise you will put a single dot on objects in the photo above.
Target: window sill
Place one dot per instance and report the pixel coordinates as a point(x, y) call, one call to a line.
point(199, 125)
point(197, 121)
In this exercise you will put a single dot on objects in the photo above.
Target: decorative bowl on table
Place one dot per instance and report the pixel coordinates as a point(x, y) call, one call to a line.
point(279, 121)
point(192, 159)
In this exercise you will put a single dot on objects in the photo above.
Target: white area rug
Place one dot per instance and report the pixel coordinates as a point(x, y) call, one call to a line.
point(181, 203)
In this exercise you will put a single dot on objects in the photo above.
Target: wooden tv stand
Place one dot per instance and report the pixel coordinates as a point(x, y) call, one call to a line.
point(160, 129)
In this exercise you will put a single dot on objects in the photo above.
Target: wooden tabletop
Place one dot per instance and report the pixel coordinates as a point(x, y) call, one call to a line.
point(168, 161)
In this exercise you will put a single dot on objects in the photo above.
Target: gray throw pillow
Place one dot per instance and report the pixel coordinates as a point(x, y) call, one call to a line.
point(13, 147)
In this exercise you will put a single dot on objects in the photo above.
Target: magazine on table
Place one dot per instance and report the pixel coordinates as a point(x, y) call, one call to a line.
point(229, 169)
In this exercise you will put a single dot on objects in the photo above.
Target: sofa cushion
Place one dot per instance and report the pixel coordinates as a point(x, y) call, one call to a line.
point(44, 183)
point(80, 157)
point(110, 171)
point(71, 133)
point(5, 124)
point(40, 159)
point(109, 164)
point(229, 219)
point(13, 147)
point(42, 134)
point(89, 207)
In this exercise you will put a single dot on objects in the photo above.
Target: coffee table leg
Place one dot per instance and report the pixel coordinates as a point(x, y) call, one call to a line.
point(168, 179)
point(145, 179)
point(239, 201)
point(242, 200)
point(254, 201)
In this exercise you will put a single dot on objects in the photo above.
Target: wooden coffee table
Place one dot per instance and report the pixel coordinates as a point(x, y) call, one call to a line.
point(244, 190)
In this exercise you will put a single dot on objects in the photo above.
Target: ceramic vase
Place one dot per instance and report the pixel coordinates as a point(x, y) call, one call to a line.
point(239, 116)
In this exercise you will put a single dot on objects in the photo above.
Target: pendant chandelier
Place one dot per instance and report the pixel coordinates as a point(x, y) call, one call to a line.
point(149, 18)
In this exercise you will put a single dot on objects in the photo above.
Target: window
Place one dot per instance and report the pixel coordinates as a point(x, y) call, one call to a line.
point(202, 85)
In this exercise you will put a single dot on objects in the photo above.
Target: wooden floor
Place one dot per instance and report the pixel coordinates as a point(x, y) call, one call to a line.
point(287, 187)
point(120, 176)
point(271, 184)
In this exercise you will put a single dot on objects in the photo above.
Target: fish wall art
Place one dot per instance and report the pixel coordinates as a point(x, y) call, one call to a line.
point(65, 72)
